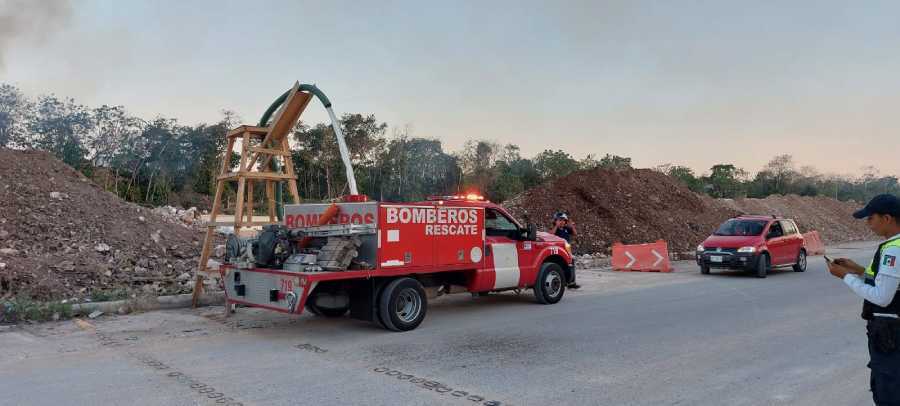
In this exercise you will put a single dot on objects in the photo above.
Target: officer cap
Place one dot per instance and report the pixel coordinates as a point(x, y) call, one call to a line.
point(881, 204)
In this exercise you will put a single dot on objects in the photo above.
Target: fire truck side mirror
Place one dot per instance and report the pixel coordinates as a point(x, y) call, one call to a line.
point(531, 232)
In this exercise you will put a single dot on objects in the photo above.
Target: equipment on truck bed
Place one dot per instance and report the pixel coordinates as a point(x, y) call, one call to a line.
point(265, 159)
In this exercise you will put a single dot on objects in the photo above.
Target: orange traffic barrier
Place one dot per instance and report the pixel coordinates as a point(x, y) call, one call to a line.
point(653, 257)
point(813, 243)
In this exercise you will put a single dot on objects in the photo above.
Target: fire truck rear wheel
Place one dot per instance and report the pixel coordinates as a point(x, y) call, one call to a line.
point(402, 304)
point(550, 286)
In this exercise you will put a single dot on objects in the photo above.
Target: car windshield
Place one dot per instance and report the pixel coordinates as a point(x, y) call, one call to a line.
point(741, 227)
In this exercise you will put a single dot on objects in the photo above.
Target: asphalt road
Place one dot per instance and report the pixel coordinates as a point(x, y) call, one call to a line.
point(624, 339)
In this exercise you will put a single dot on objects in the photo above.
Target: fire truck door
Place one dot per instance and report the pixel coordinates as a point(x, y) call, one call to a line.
point(502, 251)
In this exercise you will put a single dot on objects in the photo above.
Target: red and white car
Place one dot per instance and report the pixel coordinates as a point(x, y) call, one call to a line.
point(404, 255)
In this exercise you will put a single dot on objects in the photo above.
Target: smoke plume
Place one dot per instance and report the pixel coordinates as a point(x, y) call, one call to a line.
point(30, 22)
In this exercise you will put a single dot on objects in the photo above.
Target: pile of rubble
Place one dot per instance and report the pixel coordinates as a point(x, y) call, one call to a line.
point(186, 217)
point(64, 237)
point(833, 219)
point(629, 206)
point(592, 261)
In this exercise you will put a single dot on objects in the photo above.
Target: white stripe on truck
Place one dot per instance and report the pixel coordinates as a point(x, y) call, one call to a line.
point(506, 265)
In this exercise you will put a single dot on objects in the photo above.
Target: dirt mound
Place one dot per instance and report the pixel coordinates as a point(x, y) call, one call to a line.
point(831, 218)
point(631, 206)
point(63, 236)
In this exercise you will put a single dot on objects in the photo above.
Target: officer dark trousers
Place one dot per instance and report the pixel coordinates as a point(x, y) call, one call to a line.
point(884, 355)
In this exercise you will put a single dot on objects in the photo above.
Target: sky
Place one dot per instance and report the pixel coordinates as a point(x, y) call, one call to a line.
point(692, 83)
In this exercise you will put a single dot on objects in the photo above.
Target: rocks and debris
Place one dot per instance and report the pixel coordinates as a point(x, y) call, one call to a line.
point(186, 217)
point(86, 241)
point(589, 261)
point(833, 219)
point(84, 325)
point(641, 205)
point(95, 314)
point(629, 206)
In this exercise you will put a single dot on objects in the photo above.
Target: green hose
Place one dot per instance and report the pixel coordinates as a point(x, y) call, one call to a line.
point(264, 121)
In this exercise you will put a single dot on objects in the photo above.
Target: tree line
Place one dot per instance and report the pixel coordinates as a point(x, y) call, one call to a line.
point(782, 176)
point(161, 161)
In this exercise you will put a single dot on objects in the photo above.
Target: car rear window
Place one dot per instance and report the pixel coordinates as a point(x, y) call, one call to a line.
point(735, 227)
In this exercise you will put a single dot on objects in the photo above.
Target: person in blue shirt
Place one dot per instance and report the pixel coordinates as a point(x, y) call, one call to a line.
point(564, 228)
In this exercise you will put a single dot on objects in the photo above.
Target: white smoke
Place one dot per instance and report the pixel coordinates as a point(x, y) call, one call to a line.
point(30, 22)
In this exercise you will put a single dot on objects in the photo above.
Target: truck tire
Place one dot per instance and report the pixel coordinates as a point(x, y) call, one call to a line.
point(800, 266)
point(704, 269)
point(762, 266)
point(402, 304)
point(327, 312)
point(550, 284)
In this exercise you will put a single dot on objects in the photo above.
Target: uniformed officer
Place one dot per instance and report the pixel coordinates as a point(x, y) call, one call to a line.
point(565, 229)
point(878, 284)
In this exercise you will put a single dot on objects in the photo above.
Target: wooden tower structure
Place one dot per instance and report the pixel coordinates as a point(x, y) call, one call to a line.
point(259, 147)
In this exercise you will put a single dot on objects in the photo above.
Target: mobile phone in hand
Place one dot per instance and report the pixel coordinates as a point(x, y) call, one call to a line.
point(828, 259)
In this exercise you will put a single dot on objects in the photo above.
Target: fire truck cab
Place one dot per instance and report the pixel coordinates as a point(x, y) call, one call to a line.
point(383, 262)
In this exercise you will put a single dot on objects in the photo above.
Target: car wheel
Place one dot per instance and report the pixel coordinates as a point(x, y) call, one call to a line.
point(800, 266)
point(762, 266)
point(550, 284)
point(704, 269)
point(402, 304)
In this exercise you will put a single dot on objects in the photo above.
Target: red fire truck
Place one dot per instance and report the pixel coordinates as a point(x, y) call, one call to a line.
point(383, 262)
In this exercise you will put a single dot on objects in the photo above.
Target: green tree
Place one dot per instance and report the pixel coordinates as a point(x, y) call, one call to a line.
point(724, 181)
point(477, 160)
point(684, 174)
point(554, 164)
point(59, 127)
point(782, 172)
point(416, 168)
point(615, 162)
point(589, 162)
point(14, 108)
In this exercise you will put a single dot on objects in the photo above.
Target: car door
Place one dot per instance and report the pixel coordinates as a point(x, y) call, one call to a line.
point(776, 243)
point(502, 249)
point(793, 241)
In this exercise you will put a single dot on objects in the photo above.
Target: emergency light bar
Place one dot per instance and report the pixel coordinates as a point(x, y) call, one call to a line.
point(470, 197)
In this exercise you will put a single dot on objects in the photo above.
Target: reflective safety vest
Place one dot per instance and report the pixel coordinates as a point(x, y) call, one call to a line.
point(871, 272)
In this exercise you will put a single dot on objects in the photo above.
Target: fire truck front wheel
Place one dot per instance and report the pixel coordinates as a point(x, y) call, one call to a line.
point(550, 284)
point(402, 304)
